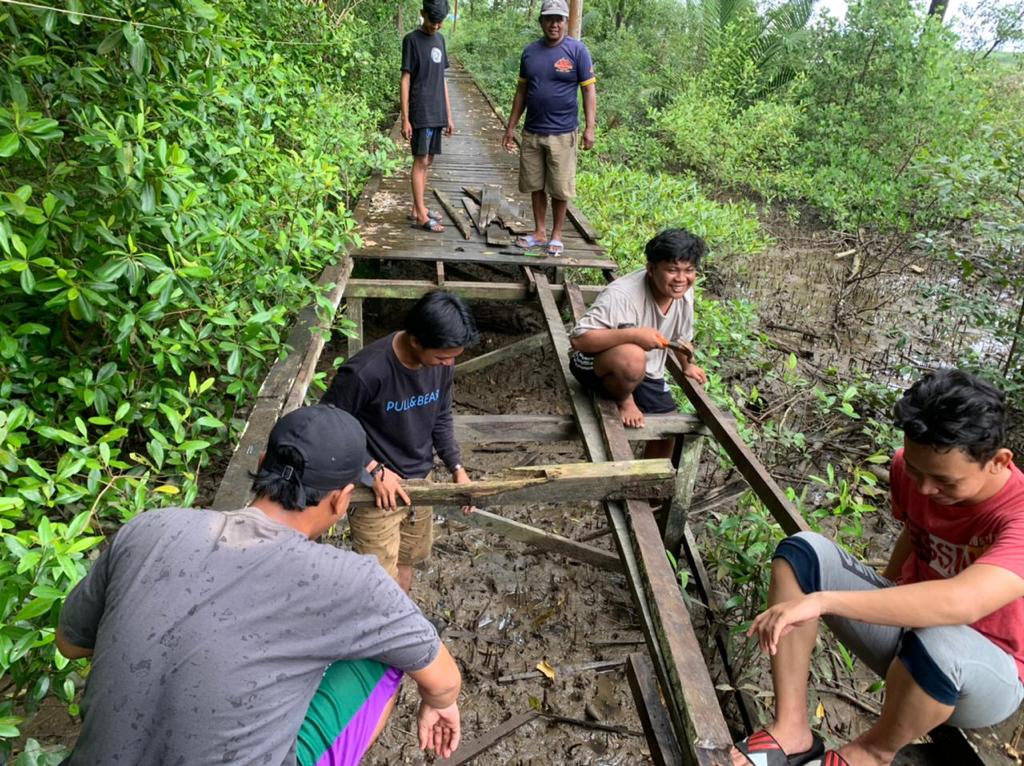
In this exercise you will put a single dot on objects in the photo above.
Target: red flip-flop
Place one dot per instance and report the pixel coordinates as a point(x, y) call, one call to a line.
point(762, 749)
point(832, 758)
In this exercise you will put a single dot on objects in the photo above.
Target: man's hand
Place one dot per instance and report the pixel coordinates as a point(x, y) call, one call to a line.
point(387, 486)
point(588, 139)
point(406, 130)
point(508, 141)
point(450, 128)
point(648, 338)
point(440, 729)
point(778, 620)
point(461, 477)
point(696, 373)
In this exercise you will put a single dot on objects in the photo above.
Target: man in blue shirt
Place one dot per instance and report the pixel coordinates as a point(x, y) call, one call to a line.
point(550, 72)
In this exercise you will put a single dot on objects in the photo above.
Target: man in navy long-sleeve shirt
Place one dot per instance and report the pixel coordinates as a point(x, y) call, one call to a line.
point(400, 390)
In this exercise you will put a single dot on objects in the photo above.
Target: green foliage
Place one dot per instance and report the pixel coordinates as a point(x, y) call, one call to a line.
point(166, 200)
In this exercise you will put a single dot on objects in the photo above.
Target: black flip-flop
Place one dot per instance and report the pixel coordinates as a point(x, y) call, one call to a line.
point(430, 214)
point(762, 749)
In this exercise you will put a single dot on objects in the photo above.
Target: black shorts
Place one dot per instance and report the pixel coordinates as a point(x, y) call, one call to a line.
point(652, 396)
point(426, 141)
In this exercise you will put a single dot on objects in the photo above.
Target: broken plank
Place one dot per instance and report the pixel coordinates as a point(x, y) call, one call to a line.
point(572, 670)
point(582, 223)
point(497, 236)
point(470, 750)
point(452, 212)
point(687, 462)
point(535, 538)
point(512, 351)
point(614, 480)
point(473, 210)
point(490, 199)
point(746, 462)
point(653, 716)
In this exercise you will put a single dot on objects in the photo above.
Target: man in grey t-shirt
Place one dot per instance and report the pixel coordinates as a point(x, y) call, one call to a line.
point(235, 638)
point(620, 346)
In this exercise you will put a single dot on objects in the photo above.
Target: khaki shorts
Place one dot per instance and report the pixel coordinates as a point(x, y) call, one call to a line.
point(402, 537)
point(548, 163)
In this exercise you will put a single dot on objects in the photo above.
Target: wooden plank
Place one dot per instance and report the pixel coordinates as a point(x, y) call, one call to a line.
point(746, 462)
point(571, 670)
point(473, 211)
point(613, 480)
point(485, 256)
point(452, 212)
point(582, 223)
point(490, 199)
point(305, 346)
point(536, 538)
point(512, 350)
point(488, 429)
point(651, 707)
point(497, 236)
point(414, 289)
point(702, 581)
point(440, 273)
point(354, 312)
point(687, 465)
point(696, 717)
point(470, 750)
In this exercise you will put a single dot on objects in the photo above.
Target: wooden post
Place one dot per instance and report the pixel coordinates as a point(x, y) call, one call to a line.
point(687, 462)
point(455, 17)
point(354, 311)
point(576, 18)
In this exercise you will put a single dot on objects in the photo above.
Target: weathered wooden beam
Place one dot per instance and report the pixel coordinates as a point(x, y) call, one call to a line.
point(490, 199)
point(615, 480)
point(354, 313)
point(488, 429)
point(653, 715)
point(301, 352)
point(697, 719)
point(452, 212)
point(512, 350)
point(470, 750)
point(569, 258)
point(535, 538)
point(413, 289)
point(746, 462)
point(687, 460)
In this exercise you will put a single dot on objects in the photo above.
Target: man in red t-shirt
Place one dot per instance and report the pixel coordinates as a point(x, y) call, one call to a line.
point(944, 623)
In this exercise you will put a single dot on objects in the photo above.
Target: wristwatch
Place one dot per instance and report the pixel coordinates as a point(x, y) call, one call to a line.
point(378, 471)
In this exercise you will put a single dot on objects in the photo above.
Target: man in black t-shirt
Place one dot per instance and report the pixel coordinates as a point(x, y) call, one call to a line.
point(426, 110)
point(400, 390)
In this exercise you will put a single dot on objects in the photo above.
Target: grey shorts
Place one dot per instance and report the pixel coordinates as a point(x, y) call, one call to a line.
point(955, 665)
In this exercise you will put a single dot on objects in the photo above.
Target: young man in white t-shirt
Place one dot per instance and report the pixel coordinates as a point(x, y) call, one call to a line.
point(621, 344)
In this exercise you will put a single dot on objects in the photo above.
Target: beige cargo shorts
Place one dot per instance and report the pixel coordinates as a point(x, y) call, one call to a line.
point(402, 537)
point(548, 163)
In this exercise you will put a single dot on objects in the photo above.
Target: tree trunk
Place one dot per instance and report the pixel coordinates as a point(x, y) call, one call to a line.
point(938, 8)
point(576, 18)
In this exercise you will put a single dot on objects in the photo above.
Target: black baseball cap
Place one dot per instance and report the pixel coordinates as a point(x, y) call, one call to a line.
point(332, 445)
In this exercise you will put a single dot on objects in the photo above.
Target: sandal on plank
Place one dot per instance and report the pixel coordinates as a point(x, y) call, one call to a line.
point(430, 214)
point(430, 225)
point(529, 241)
point(555, 248)
point(762, 749)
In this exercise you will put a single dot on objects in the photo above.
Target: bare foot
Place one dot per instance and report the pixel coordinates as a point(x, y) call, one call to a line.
point(631, 415)
point(858, 755)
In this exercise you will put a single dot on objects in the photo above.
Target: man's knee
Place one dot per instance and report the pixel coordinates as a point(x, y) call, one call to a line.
point(627, 363)
point(797, 554)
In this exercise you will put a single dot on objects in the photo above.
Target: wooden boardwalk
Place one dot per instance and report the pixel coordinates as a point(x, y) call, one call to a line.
point(676, 700)
point(471, 158)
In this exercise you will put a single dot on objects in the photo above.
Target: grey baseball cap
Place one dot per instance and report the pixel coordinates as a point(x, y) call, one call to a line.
point(554, 8)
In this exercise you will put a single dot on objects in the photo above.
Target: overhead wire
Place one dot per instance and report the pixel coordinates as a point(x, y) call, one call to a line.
point(164, 27)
